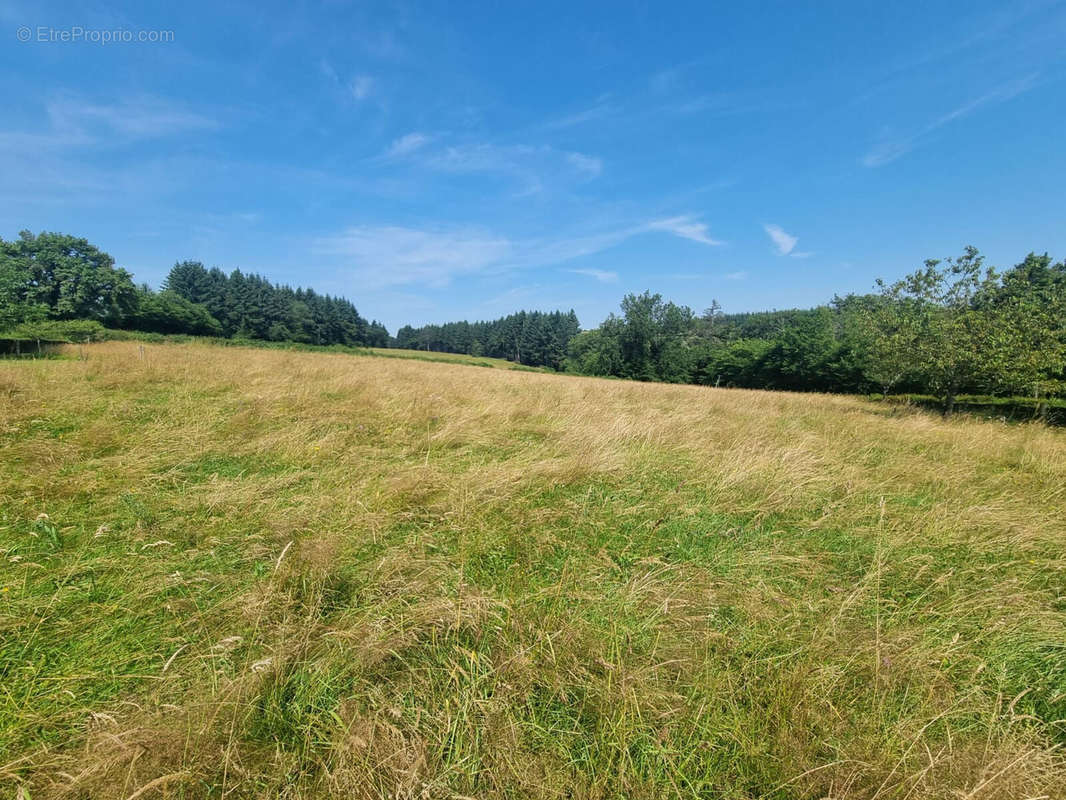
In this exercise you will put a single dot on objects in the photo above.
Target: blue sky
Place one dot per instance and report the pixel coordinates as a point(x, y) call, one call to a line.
point(439, 161)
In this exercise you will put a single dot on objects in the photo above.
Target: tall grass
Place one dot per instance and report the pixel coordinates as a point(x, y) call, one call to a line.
point(382, 352)
point(257, 573)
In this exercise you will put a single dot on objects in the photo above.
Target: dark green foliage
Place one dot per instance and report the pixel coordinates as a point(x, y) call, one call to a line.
point(37, 338)
point(169, 312)
point(57, 276)
point(248, 306)
point(962, 327)
point(732, 363)
point(533, 338)
point(54, 276)
point(655, 340)
point(51, 330)
point(1003, 409)
point(949, 328)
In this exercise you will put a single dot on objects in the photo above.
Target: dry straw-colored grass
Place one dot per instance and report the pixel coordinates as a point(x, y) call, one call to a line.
point(269, 574)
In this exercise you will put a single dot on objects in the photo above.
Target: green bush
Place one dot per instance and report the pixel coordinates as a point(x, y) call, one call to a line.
point(54, 330)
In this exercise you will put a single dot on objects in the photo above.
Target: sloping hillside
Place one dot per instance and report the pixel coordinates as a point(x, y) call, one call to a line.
point(255, 573)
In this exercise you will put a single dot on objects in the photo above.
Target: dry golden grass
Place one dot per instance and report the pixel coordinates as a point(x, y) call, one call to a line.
point(273, 574)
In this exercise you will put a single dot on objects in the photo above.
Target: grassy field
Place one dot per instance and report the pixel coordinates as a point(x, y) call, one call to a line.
point(450, 358)
point(238, 573)
point(382, 352)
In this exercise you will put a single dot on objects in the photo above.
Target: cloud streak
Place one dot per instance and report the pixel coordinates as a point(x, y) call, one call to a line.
point(407, 144)
point(141, 117)
point(391, 255)
point(784, 242)
point(361, 87)
point(77, 125)
point(686, 227)
point(597, 112)
point(535, 168)
point(583, 163)
point(602, 275)
point(889, 149)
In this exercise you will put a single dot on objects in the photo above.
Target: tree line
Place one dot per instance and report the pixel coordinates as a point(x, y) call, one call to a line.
point(250, 306)
point(54, 276)
point(952, 327)
point(533, 338)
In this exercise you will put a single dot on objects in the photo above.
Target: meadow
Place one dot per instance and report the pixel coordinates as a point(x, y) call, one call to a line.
point(230, 572)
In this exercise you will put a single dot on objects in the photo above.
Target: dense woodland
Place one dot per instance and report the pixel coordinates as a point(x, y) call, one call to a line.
point(54, 276)
point(952, 327)
point(249, 306)
point(533, 338)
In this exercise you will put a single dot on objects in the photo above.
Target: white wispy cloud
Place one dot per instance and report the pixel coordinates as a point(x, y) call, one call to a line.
point(602, 275)
point(687, 227)
point(407, 144)
point(518, 162)
point(139, 117)
point(512, 296)
point(600, 110)
point(784, 242)
point(891, 148)
point(76, 124)
point(535, 168)
point(566, 248)
point(540, 252)
point(739, 275)
point(667, 80)
point(583, 163)
point(393, 255)
point(1008, 27)
point(361, 86)
point(729, 104)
